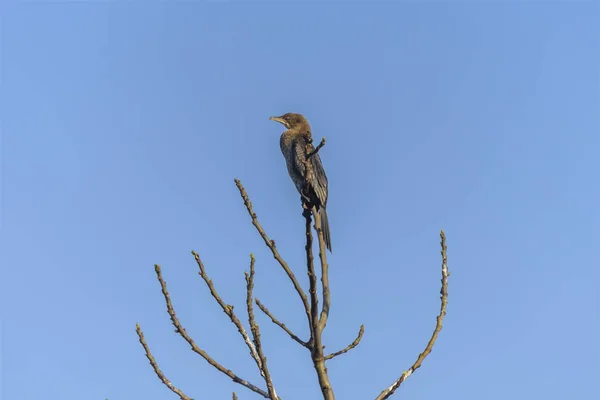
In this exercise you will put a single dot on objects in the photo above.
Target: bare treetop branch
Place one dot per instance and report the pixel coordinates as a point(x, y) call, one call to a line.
point(256, 332)
point(350, 346)
point(179, 329)
point(316, 338)
point(271, 245)
point(308, 175)
point(228, 310)
point(438, 327)
point(316, 150)
point(157, 370)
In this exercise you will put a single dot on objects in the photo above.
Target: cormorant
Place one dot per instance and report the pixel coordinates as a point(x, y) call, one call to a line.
point(296, 144)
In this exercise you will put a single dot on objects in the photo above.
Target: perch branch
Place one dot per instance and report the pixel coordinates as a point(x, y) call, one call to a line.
point(316, 150)
point(350, 346)
point(438, 327)
point(271, 245)
point(262, 360)
point(312, 278)
point(234, 396)
point(309, 151)
point(179, 329)
point(316, 326)
point(280, 324)
point(317, 345)
point(157, 370)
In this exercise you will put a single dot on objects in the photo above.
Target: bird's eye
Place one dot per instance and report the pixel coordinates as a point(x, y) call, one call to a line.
point(287, 117)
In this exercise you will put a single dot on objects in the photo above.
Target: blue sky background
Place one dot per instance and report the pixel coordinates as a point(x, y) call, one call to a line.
point(124, 124)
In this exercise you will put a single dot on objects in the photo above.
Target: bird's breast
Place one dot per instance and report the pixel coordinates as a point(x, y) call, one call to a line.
point(288, 143)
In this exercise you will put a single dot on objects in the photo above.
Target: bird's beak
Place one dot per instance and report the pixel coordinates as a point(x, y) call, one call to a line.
point(280, 120)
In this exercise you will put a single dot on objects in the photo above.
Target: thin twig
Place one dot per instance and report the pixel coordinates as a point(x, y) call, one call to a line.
point(157, 370)
point(438, 326)
point(256, 331)
point(350, 346)
point(179, 329)
point(316, 150)
point(280, 324)
point(271, 245)
point(234, 396)
point(228, 309)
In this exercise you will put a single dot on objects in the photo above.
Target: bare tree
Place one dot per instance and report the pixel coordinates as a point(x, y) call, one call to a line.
point(317, 320)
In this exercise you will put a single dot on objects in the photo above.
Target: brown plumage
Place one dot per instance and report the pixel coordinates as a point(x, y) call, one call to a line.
point(295, 144)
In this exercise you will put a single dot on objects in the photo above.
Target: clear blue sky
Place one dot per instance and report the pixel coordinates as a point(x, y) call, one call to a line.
point(124, 124)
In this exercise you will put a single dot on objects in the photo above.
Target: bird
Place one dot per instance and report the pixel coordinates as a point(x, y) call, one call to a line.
point(296, 145)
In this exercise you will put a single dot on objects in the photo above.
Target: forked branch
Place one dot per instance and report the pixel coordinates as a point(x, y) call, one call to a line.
point(316, 150)
point(438, 326)
point(179, 329)
point(228, 310)
point(271, 245)
point(317, 356)
point(316, 322)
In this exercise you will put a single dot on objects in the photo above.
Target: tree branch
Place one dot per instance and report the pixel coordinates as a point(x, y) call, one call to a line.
point(316, 150)
point(262, 360)
point(318, 227)
point(179, 329)
point(438, 327)
point(157, 370)
point(312, 278)
point(271, 245)
point(316, 341)
point(350, 346)
point(317, 322)
point(228, 309)
point(280, 324)
point(316, 325)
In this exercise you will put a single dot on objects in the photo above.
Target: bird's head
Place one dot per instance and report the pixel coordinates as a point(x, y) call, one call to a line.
point(291, 120)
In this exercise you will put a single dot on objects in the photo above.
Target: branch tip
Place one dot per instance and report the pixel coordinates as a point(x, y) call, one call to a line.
point(154, 365)
point(195, 348)
point(438, 326)
point(316, 150)
point(257, 353)
point(352, 345)
point(271, 245)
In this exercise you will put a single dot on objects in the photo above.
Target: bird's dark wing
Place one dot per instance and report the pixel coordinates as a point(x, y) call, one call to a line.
point(318, 178)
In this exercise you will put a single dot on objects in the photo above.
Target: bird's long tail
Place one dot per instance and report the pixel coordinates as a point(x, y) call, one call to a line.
point(325, 227)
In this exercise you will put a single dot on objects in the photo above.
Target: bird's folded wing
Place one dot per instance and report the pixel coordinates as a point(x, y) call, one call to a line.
point(317, 179)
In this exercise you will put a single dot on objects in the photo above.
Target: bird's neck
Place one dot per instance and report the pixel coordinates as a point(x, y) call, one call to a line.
point(302, 129)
